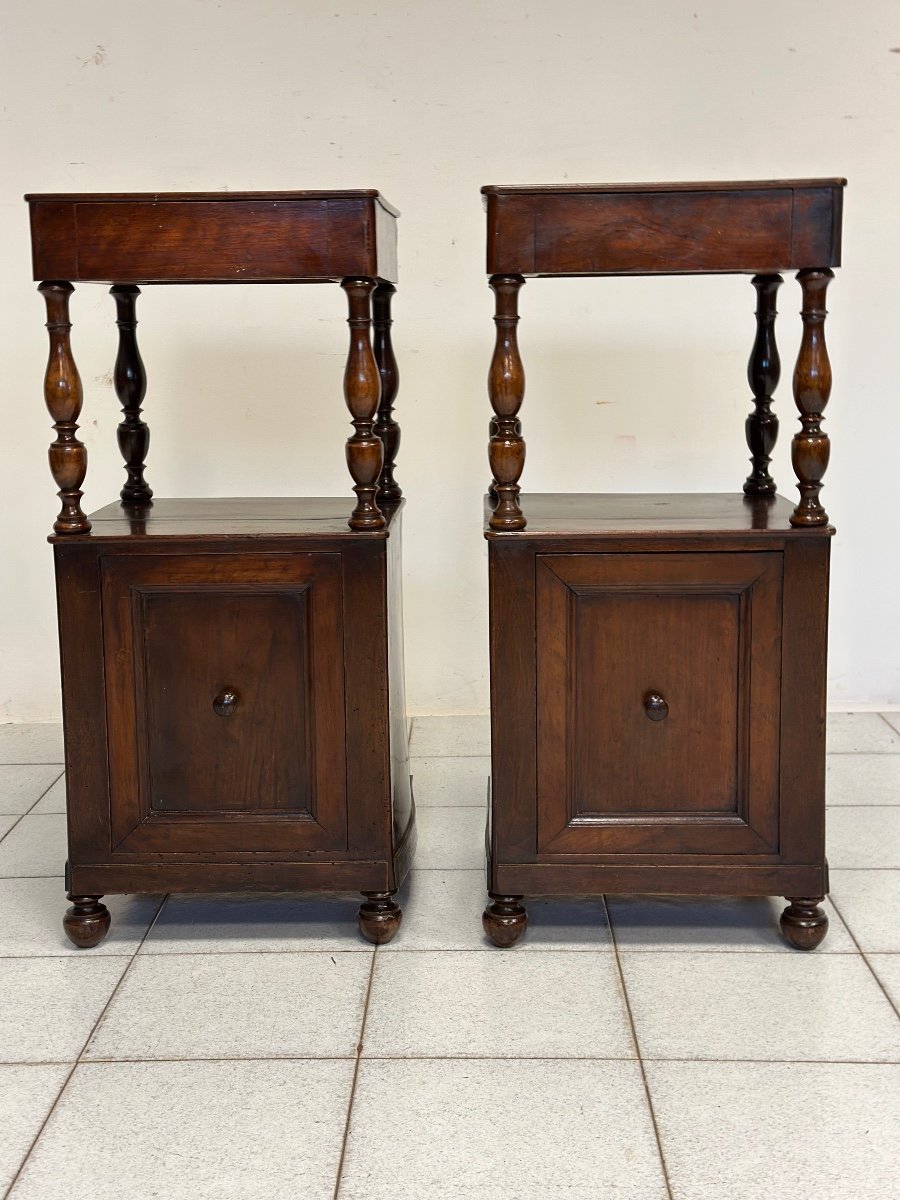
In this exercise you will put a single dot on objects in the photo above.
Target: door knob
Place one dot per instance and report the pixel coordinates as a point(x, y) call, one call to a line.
point(655, 706)
point(226, 702)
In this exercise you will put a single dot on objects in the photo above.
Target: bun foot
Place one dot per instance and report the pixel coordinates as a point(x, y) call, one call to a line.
point(803, 923)
point(87, 922)
point(379, 917)
point(504, 920)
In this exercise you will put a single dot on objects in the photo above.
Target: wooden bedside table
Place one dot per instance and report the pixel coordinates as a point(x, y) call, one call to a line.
point(658, 661)
point(232, 670)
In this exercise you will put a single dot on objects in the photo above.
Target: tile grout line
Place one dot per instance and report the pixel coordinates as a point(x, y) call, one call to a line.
point(887, 722)
point(359, 1050)
point(27, 812)
point(865, 959)
point(78, 1060)
point(637, 1050)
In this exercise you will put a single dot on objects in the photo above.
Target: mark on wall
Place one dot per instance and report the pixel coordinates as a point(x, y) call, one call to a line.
point(97, 59)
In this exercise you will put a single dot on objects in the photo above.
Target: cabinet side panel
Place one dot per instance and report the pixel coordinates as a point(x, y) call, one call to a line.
point(400, 786)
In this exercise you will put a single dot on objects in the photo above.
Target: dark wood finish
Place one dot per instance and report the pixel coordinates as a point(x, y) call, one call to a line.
point(658, 661)
point(506, 388)
point(362, 392)
point(379, 917)
point(504, 920)
point(232, 669)
point(803, 923)
point(130, 380)
point(63, 397)
point(213, 237)
point(763, 374)
point(386, 428)
point(810, 447)
point(664, 229)
point(87, 922)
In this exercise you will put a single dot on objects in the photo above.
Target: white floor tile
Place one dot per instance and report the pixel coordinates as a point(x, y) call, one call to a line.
point(36, 846)
point(442, 911)
point(501, 1131)
point(193, 1131)
point(31, 914)
point(460, 782)
point(861, 733)
point(21, 786)
point(870, 905)
point(31, 743)
point(236, 1006)
point(803, 1007)
point(887, 968)
point(7, 821)
point(55, 799)
point(434, 737)
point(244, 922)
point(862, 779)
point(450, 839)
point(505, 1005)
point(862, 837)
point(48, 1006)
point(698, 923)
point(26, 1096)
point(893, 719)
point(757, 1131)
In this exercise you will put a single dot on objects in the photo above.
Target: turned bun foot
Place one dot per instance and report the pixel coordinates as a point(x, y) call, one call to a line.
point(504, 920)
point(87, 922)
point(379, 917)
point(803, 923)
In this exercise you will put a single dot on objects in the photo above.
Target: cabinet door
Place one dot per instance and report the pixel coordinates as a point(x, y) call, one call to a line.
point(225, 703)
point(658, 703)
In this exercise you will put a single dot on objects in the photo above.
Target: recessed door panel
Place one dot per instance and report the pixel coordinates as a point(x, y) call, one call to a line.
point(225, 703)
point(648, 669)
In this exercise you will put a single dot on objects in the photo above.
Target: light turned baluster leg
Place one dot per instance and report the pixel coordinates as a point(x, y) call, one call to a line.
point(362, 391)
point(386, 428)
point(62, 393)
point(763, 373)
point(131, 386)
point(506, 388)
point(812, 387)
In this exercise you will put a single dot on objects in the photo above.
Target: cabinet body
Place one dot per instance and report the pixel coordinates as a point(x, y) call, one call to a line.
point(233, 700)
point(658, 701)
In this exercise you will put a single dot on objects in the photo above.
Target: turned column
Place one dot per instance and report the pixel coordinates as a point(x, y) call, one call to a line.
point(362, 391)
point(63, 396)
point(763, 373)
point(130, 380)
point(386, 428)
point(506, 388)
point(812, 387)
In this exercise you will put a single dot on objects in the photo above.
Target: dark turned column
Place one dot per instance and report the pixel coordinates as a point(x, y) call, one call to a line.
point(379, 917)
point(386, 427)
point(803, 923)
point(63, 395)
point(504, 920)
point(812, 387)
point(87, 922)
point(362, 391)
point(130, 380)
point(763, 373)
point(506, 388)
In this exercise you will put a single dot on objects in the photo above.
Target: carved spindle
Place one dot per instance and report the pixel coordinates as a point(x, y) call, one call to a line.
point(379, 917)
point(812, 387)
point(62, 394)
point(386, 427)
point(506, 387)
point(803, 923)
point(362, 391)
point(130, 380)
point(763, 373)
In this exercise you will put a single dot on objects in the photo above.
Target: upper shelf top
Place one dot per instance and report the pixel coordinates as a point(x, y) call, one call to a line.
point(753, 227)
point(213, 237)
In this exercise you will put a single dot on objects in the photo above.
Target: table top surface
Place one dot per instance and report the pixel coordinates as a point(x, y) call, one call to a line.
point(206, 197)
point(576, 189)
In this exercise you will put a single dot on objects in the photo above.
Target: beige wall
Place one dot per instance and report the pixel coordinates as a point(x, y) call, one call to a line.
point(631, 384)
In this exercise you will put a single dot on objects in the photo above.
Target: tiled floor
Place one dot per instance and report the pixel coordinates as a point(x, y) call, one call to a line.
point(646, 1049)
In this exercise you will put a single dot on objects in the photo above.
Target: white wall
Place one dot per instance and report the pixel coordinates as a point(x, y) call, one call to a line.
point(427, 101)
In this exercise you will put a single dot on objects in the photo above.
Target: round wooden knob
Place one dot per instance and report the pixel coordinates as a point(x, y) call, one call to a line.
point(226, 702)
point(655, 707)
